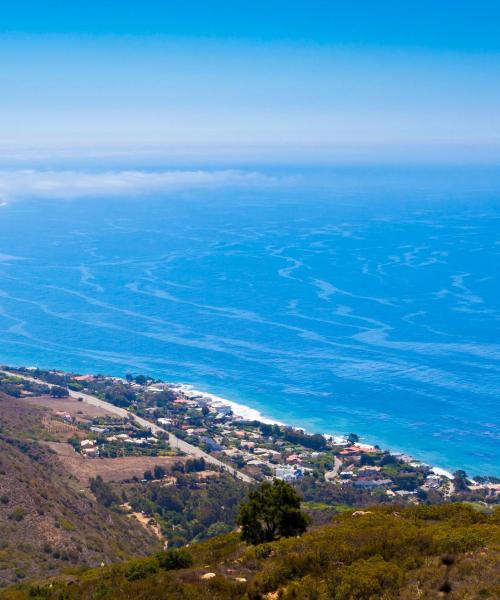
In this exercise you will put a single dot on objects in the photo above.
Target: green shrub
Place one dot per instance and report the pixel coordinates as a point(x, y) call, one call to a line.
point(140, 569)
point(174, 559)
point(66, 525)
point(18, 514)
point(39, 592)
point(366, 579)
point(458, 540)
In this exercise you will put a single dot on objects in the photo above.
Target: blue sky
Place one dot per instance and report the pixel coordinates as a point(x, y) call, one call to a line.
point(252, 74)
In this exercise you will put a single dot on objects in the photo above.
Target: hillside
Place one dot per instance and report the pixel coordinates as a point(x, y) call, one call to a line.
point(47, 522)
point(379, 553)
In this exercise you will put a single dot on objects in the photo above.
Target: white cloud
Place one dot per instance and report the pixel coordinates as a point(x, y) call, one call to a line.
point(65, 185)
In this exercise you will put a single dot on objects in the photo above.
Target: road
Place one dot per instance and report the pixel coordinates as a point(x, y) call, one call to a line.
point(333, 474)
point(173, 440)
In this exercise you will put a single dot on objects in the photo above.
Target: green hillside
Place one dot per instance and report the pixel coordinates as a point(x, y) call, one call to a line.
point(380, 553)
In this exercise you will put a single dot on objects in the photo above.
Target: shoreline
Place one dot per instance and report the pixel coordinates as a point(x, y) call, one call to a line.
point(253, 414)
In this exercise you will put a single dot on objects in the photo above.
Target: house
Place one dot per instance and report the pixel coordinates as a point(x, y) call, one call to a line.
point(261, 451)
point(368, 484)
point(248, 444)
point(365, 447)
point(274, 454)
point(350, 450)
point(91, 452)
point(287, 473)
point(340, 441)
point(212, 445)
point(83, 377)
point(64, 415)
point(231, 452)
point(255, 463)
point(403, 457)
point(432, 482)
point(98, 429)
point(87, 444)
point(492, 489)
point(158, 387)
point(367, 469)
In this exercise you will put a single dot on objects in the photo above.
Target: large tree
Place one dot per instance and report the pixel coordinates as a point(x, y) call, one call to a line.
point(460, 481)
point(271, 512)
point(57, 391)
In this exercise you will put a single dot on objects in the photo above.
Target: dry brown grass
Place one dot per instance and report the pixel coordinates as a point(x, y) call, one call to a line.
point(70, 405)
point(110, 469)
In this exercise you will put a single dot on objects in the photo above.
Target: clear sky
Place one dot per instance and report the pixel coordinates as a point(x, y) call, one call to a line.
point(257, 74)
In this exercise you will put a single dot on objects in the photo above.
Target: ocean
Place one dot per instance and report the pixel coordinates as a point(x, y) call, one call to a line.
point(340, 300)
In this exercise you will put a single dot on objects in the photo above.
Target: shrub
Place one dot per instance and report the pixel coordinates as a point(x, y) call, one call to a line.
point(458, 540)
point(66, 525)
point(174, 559)
point(366, 579)
point(39, 592)
point(139, 569)
point(18, 514)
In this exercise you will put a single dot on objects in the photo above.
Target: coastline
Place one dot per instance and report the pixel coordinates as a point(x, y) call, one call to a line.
point(246, 412)
point(252, 414)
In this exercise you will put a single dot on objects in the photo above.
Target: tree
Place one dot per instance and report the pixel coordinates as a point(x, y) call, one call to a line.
point(353, 438)
point(272, 512)
point(103, 492)
point(195, 464)
point(460, 481)
point(159, 472)
point(266, 429)
point(58, 392)
point(120, 395)
point(316, 441)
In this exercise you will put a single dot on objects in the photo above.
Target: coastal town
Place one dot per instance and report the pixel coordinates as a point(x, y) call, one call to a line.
point(339, 467)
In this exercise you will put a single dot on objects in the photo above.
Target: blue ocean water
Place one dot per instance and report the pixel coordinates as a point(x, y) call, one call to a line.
point(361, 300)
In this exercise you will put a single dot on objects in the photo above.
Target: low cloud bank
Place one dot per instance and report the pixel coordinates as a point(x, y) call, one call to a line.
point(66, 185)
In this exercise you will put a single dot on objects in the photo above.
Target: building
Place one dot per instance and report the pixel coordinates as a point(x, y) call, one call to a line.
point(368, 484)
point(288, 473)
